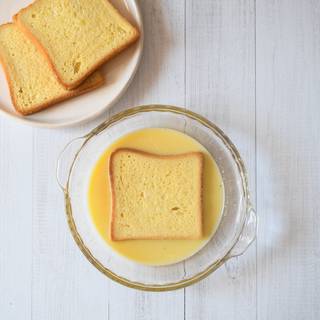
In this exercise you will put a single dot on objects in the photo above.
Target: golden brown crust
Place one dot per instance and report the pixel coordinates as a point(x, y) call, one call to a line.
point(41, 48)
point(49, 103)
point(155, 156)
point(36, 42)
point(111, 178)
point(158, 156)
point(71, 94)
point(6, 72)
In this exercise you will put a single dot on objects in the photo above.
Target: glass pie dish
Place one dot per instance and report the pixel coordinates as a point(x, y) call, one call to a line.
point(237, 228)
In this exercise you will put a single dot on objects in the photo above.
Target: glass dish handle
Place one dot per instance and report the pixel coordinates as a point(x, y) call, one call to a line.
point(247, 235)
point(65, 161)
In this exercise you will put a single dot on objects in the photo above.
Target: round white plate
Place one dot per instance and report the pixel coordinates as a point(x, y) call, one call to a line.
point(118, 73)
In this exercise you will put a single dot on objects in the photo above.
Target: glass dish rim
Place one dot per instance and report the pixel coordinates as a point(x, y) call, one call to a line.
point(124, 115)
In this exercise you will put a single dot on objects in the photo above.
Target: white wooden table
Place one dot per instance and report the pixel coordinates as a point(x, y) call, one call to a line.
point(253, 68)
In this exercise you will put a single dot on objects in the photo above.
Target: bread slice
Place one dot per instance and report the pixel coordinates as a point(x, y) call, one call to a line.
point(77, 36)
point(32, 83)
point(155, 197)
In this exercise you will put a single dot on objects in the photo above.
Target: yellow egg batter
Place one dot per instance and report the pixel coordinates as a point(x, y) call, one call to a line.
point(156, 252)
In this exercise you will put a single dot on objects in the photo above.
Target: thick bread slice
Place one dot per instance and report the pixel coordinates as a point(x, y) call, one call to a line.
point(33, 85)
point(77, 36)
point(155, 197)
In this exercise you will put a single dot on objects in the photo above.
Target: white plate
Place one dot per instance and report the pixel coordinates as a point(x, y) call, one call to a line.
point(118, 73)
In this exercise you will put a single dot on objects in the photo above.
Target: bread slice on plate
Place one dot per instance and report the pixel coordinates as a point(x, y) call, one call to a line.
point(33, 85)
point(77, 36)
point(155, 196)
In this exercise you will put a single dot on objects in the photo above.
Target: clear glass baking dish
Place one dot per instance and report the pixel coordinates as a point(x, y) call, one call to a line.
point(237, 228)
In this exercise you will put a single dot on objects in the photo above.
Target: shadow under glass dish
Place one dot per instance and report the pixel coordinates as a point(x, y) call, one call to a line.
point(237, 227)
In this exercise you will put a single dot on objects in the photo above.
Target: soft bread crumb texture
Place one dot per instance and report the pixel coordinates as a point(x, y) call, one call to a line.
point(156, 197)
point(76, 35)
point(33, 84)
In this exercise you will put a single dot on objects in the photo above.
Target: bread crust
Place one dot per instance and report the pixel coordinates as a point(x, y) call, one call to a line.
point(72, 93)
point(74, 84)
point(154, 156)
point(42, 106)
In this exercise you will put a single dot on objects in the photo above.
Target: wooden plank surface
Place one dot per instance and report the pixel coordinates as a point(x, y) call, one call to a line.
point(220, 82)
point(253, 68)
point(288, 123)
point(16, 183)
point(160, 79)
point(64, 285)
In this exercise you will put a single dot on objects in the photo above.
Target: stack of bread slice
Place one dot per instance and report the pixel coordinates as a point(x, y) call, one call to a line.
point(53, 49)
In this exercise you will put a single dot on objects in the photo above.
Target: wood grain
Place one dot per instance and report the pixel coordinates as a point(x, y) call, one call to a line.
point(16, 183)
point(253, 68)
point(220, 73)
point(160, 79)
point(64, 285)
point(288, 119)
